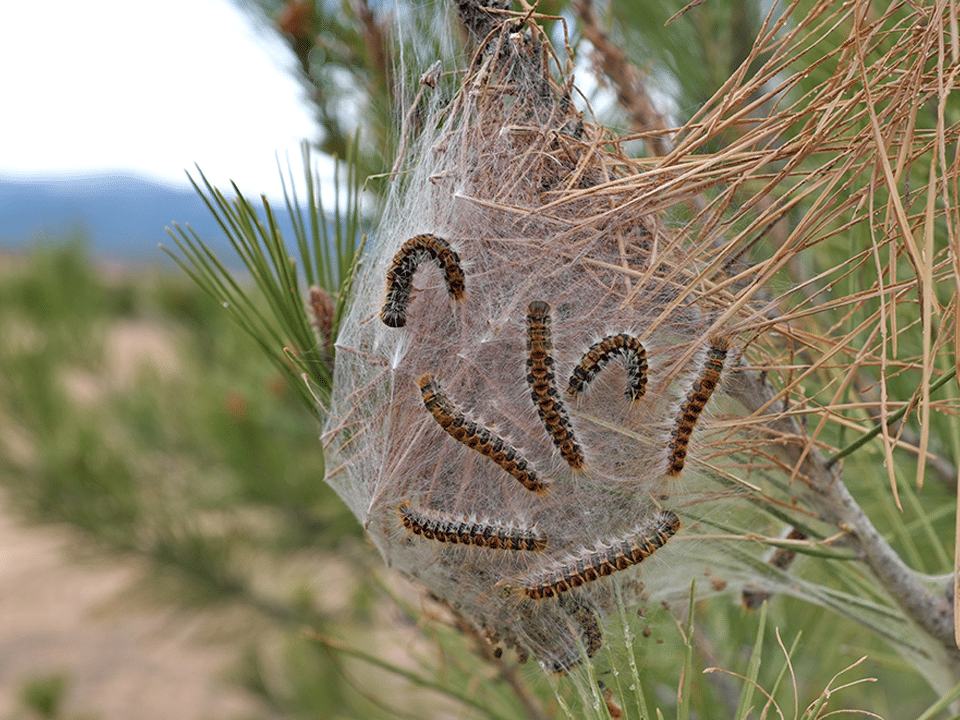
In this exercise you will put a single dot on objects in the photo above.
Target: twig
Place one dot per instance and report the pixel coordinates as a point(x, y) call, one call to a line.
point(685, 8)
point(944, 470)
point(428, 79)
point(869, 435)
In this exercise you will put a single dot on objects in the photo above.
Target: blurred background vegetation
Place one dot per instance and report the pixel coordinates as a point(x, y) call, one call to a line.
point(134, 409)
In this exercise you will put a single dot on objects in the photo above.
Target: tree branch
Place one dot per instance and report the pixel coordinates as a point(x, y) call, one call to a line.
point(828, 494)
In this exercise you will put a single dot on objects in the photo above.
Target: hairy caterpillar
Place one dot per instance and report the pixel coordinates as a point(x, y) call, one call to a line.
point(578, 570)
point(697, 398)
point(477, 437)
point(585, 617)
point(542, 390)
point(411, 254)
point(599, 354)
point(435, 525)
point(584, 627)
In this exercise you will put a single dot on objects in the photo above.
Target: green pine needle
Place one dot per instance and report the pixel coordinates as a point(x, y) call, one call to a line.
point(273, 308)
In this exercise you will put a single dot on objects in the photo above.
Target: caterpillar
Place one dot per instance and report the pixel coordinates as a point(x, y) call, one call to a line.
point(540, 378)
point(435, 525)
point(411, 254)
point(487, 443)
point(697, 398)
point(599, 354)
point(585, 617)
point(584, 627)
point(607, 559)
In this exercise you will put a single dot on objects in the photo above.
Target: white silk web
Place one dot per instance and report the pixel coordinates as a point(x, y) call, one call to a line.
point(527, 197)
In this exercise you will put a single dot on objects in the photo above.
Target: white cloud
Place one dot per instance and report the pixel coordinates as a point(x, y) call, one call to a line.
point(147, 88)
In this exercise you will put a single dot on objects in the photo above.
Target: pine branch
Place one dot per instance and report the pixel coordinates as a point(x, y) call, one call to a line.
point(830, 496)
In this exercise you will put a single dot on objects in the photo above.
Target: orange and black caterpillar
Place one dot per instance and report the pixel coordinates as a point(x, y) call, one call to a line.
point(411, 254)
point(477, 437)
point(599, 354)
point(435, 525)
point(542, 390)
point(620, 554)
point(697, 398)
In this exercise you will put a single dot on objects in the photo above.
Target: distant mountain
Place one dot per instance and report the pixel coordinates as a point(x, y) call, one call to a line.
point(120, 217)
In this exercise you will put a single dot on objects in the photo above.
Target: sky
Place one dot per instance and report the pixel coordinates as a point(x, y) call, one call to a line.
point(148, 88)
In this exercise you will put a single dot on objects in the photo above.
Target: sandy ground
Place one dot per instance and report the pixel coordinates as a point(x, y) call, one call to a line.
point(61, 615)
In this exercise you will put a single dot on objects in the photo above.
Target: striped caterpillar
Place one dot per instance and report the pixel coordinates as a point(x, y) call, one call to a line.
point(697, 398)
point(435, 525)
point(599, 354)
point(487, 443)
point(542, 390)
point(409, 257)
point(620, 554)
